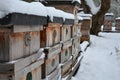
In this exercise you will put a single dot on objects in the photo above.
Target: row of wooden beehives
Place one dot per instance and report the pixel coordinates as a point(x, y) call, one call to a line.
point(36, 47)
point(22, 36)
point(108, 23)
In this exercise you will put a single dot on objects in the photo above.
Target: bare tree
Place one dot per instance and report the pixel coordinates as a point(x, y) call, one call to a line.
point(98, 18)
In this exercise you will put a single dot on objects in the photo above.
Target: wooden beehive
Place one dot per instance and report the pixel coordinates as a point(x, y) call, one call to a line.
point(76, 54)
point(79, 27)
point(23, 69)
point(85, 28)
point(66, 30)
point(66, 53)
point(74, 30)
point(76, 49)
point(117, 24)
point(20, 36)
point(50, 35)
point(55, 75)
point(50, 40)
point(108, 22)
point(66, 69)
point(51, 60)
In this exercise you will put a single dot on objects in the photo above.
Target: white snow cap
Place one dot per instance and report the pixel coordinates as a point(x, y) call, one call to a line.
point(69, 16)
point(118, 18)
point(80, 18)
point(85, 16)
point(52, 12)
point(92, 6)
point(79, 1)
point(18, 6)
point(109, 14)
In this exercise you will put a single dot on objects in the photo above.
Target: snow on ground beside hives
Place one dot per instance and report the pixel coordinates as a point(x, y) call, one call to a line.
point(101, 60)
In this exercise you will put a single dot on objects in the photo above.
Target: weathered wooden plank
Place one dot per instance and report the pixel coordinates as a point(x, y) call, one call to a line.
point(65, 54)
point(50, 36)
point(85, 29)
point(76, 65)
point(52, 63)
point(68, 77)
point(4, 46)
point(35, 42)
point(85, 32)
point(76, 47)
point(28, 69)
point(85, 38)
point(20, 63)
point(18, 28)
point(66, 33)
point(74, 31)
point(55, 75)
point(75, 68)
point(13, 45)
point(66, 67)
point(53, 34)
point(43, 38)
point(37, 73)
point(51, 51)
point(107, 25)
point(67, 44)
point(34, 68)
point(16, 46)
point(117, 24)
point(6, 77)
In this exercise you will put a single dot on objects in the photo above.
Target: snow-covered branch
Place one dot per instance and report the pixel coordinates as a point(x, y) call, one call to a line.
point(94, 9)
point(79, 1)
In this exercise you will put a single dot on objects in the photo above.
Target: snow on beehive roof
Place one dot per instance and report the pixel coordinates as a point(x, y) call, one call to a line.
point(109, 14)
point(18, 6)
point(79, 1)
point(85, 16)
point(33, 8)
point(118, 18)
point(52, 12)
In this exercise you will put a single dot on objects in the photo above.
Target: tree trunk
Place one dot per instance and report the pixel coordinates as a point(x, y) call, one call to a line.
point(97, 19)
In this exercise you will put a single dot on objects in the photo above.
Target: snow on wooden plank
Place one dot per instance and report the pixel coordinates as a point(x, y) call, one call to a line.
point(84, 45)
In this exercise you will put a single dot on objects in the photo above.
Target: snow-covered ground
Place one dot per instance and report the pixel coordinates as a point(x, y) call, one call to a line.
point(102, 58)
